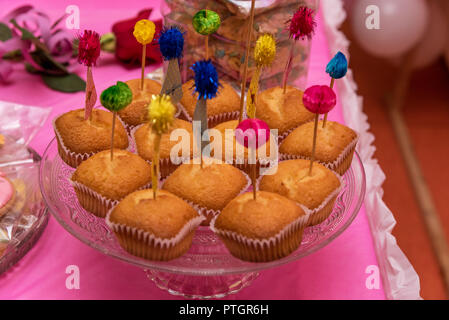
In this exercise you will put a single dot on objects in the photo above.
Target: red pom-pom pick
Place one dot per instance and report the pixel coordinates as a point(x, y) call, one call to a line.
point(252, 133)
point(302, 24)
point(89, 48)
point(319, 99)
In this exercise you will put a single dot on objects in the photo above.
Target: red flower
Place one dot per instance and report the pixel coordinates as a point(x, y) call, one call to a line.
point(127, 48)
point(89, 48)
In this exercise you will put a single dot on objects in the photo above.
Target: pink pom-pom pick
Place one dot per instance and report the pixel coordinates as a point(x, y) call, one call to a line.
point(89, 48)
point(302, 24)
point(252, 133)
point(319, 99)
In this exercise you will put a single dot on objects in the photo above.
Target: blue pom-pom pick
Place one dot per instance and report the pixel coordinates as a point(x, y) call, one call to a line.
point(171, 43)
point(338, 66)
point(206, 79)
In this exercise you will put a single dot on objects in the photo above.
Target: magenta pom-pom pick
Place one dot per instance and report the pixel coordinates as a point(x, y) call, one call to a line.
point(319, 99)
point(252, 133)
point(89, 48)
point(302, 24)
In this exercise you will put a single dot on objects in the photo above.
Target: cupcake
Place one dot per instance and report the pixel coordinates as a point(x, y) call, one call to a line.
point(284, 112)
point(265, 155)
point(144, 139)
point(7, 194)
point(207, 189)
point(78, 139)
point(160, 229)
point(335, 145)
point(316, 192)
point(261, 230)
point(224, 107)
point(136, 112)
point(100, 182)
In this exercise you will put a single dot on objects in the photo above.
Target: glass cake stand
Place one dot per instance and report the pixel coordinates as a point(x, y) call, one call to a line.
point(207, 270)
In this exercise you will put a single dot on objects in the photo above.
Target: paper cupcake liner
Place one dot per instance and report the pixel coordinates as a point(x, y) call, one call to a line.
point(212, 121)
point(339, 165)
point(322, 212)
point(146, 245)
point(94, 202)
point(74, 159)
point(263, 250)
point(208, 213)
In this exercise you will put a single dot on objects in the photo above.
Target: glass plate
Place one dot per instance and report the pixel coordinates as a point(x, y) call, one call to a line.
point(207, 255)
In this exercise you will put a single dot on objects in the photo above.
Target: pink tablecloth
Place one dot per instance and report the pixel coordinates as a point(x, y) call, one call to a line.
point(338, 271)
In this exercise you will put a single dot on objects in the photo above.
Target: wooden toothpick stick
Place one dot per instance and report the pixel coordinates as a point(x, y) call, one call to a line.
point(245, 67)
point(112, 134)
point(315, 132)
point(325, 116)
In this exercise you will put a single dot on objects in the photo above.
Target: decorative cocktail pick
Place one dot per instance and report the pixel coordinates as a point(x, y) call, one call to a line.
point(245, 64)
point(144, 33)
point(252, 134)
point(206, 22)
point(264, 54)
point(318, 100)
point(115, 98)
point(302, 25)
point(161, 112)
point(88, 53)
point(171, 44)
point(206, 85)
point(337, 69)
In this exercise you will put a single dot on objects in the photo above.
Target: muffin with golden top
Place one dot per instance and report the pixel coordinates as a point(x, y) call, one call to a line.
point(100, 182)
point(317, 192)
point(136, 112)
point(261, 230)
point(78, 139)
point(284, 112)
point(208, 188)
point(335, 145)
point(236, 154)
point(224, 107)
point(143, 138)
point(155, 229)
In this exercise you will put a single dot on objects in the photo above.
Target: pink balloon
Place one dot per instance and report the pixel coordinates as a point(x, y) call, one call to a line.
point(433, 44)
point(319, 99)
point(402, 24)
point(252, 133)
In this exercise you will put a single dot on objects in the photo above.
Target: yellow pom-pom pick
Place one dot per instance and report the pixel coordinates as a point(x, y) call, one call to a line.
point(161, 113)
point(265, 50)
point(252, 95)
point(144, 33)
point(264, 54)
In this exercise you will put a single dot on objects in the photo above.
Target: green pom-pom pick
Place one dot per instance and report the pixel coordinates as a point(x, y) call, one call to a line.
point(206, 23)
point(116, 97)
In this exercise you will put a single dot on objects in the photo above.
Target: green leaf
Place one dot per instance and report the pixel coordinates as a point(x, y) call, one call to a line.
point(46, 61)
point(66, 83)
point(108, 42)
point(26, 35)
point(5, 32)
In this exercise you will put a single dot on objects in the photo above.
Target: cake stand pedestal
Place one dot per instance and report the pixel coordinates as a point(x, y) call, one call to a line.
point(201, 287)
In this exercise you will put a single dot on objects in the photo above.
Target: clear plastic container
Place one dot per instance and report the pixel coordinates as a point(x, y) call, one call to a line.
point(227, 45)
